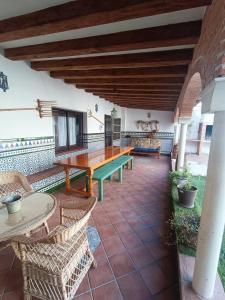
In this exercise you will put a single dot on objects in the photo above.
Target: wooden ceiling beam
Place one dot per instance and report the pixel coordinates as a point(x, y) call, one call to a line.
point(128, 81)
point(132, 92)
point(174, 71)
point(147, 107)
point(140, 97)
point(163, 36)
point(86, 13)
point(149, 59)
point(111, 87)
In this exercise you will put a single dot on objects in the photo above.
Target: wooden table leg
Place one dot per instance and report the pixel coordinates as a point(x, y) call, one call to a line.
point(90, 181)
point(68, 187)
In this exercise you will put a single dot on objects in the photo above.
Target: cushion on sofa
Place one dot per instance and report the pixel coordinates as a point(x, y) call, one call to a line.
point(145, 143)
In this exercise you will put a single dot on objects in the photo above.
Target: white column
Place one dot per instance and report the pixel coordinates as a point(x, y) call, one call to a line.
point(176, 133)
point(182, 144)
point(213, 213)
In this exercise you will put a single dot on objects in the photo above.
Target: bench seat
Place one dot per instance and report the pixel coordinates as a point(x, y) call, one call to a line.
point(51, 178)
point(123, 160)
point(105, 172)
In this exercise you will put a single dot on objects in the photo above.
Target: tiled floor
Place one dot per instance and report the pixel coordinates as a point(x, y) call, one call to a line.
point(133, 261)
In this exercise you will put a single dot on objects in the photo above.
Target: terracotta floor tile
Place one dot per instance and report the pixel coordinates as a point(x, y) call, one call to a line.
point(141, 256)
point(147, 234)
point(133, 287)
point(84, 286)
point(100, 254)
point(113, 246)
point(86, 296)
point(102, 274)
point(123, 228)
point(14, 280)
point(121, 264)
point(109, 291)
point(106, 231)
point(154, 278)
point(131, 240)
point(169, 266)
point(115, 217)
point(171, 293)
point(15, 295)
point(158, 249)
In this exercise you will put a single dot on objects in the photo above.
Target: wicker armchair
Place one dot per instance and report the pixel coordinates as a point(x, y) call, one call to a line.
point(54, 266)
point(13, 182)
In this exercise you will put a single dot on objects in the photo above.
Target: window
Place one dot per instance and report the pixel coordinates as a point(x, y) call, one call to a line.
point(68, 126)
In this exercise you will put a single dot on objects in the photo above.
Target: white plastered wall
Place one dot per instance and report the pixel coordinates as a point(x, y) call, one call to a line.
point(165, 119)
point(26, 86)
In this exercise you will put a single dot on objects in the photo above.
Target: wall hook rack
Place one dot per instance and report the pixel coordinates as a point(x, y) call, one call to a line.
point(44, 108)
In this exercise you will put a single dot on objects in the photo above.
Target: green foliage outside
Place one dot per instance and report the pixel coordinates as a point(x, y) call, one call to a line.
point(183, 215)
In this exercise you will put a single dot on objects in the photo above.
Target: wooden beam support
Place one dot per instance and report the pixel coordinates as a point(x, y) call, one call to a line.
point(140, 60)
point(129, 81)
point(174, 71)
point(133, 93)
point(114, 88)
point(86, 13)
point(162, 36)
point(143, 97)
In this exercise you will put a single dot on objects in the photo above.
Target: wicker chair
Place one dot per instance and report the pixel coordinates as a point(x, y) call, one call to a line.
point(13, 182)
point(54, 266)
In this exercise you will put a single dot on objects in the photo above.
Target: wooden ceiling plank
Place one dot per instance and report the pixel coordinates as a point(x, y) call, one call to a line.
point(129, 81)
point(86, 13)
point(131, 92)
point(171, 71)
point(162, 36)
point(111, 87)
point(150, 59)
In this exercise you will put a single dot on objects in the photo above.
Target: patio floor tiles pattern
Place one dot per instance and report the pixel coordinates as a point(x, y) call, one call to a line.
point(133, 261)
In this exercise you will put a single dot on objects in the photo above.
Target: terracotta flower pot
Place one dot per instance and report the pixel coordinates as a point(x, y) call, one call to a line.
point(187, 197)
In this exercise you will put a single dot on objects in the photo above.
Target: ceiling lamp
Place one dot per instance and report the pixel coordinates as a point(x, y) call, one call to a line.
point(114, 113)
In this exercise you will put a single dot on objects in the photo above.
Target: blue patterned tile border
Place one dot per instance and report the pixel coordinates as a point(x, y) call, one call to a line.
point(25, 143)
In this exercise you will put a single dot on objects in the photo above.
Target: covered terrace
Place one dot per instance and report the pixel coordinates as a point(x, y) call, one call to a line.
point(83, 85)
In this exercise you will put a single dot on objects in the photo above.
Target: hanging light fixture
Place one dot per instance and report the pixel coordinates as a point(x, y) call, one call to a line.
point(114, 113)
point(3, 82)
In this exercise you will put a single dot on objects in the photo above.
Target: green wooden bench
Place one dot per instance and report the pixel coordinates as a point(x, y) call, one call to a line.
point(106, 172)
point(123, 160)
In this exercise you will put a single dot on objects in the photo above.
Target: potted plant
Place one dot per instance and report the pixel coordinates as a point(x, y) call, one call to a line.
point(179, 177)
point(187, 194)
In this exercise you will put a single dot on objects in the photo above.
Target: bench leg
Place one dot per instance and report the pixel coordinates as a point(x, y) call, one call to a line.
point(131, 164)
point(100, 190)
point(120, 171)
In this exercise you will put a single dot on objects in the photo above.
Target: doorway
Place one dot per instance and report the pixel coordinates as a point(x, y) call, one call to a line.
point(108, 130)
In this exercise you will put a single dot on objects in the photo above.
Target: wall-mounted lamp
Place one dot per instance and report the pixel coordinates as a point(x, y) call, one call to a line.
point(3, 82)
point(96, 107)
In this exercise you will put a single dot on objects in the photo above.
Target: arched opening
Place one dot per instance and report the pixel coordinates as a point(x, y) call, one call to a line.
point(191, 95)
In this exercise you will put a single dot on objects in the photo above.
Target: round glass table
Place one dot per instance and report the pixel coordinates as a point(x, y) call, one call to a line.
point(36, 209)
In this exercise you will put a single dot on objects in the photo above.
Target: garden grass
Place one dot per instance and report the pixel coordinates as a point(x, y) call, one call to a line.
point(199, 182)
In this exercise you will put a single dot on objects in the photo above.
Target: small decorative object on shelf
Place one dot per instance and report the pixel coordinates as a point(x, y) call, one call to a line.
point(96, 107)
point(3, 82)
